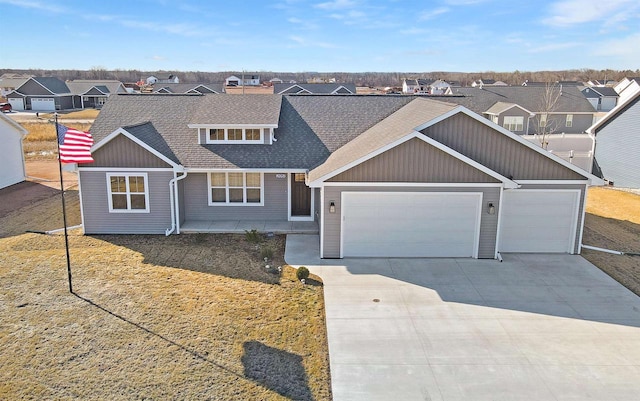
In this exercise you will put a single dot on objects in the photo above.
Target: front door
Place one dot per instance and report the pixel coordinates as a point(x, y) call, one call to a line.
point(300, 196)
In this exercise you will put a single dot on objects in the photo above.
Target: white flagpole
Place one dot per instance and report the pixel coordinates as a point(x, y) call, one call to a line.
point(64, 210)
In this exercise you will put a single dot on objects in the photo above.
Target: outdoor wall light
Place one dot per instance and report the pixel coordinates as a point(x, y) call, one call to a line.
point(491, 209)
point(332, 207)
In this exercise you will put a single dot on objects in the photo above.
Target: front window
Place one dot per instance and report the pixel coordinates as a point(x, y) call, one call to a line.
point(235, 188)
point(514, 123)
point(128, 193)
point(569, 122)
point(543, 120)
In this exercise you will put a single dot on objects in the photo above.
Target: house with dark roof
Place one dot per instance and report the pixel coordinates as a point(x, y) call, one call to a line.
point(487, 82)
point(9, 82)
point(189, 88)
point(602, 98)
point(394, 176)
point(94, 93)
point(43, 94)
point(617, 144)
point(324, 88)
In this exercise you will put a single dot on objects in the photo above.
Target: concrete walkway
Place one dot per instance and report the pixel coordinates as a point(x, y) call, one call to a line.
point(535, 327)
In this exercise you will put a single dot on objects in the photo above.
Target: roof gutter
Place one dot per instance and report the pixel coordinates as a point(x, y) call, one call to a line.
point(173, 198)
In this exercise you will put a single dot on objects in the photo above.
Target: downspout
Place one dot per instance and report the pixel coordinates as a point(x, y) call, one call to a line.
point(173, 198)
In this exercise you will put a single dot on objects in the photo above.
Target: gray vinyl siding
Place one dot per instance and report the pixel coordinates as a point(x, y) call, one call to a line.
point(582, 189)
point(558, 123)
point(95, 206)
point(317, 206)
point(181, 200)
point(123, 152)
point(332, 222)
point(496, 151)
point(618, 147)
point(516, 112)
point(33, 88)
point(196, 199)
point(414, 161)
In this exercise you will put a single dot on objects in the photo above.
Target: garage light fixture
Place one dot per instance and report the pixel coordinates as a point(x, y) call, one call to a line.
point(332, 207)
point(491, 209)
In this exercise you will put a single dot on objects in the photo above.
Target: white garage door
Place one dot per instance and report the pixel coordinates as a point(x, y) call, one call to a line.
point(410, 224)
point(43, 104)
point(539, 221)
point(16, 103)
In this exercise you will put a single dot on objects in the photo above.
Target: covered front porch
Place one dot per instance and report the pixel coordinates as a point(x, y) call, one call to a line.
point(241, 226)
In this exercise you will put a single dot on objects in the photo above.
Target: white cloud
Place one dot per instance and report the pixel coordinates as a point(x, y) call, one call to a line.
point(573, 12)
point(336, 5)
point(35, 5)
point(427, 15)
point(464, 2)
point(188, 30)
point(304, 42)
point(625, 48)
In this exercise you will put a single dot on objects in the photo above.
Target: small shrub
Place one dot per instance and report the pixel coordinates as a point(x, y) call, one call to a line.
point(302, 273)
point(266, 253)
point(252, 236)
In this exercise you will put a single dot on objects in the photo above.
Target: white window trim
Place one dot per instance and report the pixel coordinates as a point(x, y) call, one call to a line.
point(244, 140)
point(569, 121)
point(519, 123)
point(128, 193)
point(244, 189)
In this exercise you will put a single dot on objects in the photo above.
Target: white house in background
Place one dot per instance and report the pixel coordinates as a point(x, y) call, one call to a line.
point(11, 154)
point(601, 98)
point(246, 80)
point(171, 79)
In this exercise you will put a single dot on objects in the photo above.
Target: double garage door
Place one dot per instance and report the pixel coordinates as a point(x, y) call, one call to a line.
point(43, 104)
point(410, 224)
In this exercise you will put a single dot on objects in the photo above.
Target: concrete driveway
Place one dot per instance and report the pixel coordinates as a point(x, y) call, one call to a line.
point(534, 327)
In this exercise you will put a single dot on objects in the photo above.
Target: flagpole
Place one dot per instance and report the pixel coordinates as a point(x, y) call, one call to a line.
point(64, 210)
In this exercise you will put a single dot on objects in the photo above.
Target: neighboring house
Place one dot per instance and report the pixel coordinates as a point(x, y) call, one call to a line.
point(601, 98)
point(410, 86)
point(487, 82)
point(426, 86)
point(276, 81)
point(202, 88)
point(246, 80)
point(94, 93)
point(9, 82)
point(11, 155)
point(627, 88)
point(43, 94)
point(617, 144)
point(170, 79)
point(382, 176)
point(572, 114)
point(601, 82)
point(333, 89)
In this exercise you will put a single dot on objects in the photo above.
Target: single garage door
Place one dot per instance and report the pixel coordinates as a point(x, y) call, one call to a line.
point(410, 224)
point(43, 104)
point(540, 221)
point(16, 103)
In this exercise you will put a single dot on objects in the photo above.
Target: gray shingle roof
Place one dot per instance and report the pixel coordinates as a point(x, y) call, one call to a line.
point(53, 84)
point(312, 88)
point(148, 134)
point(480, 100)
point(82, 86)
point(309, 129)
point(186, 88)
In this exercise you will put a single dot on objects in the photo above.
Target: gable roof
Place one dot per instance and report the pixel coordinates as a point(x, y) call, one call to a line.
point(188, 88)
point(501, 107)
point(603, 91)
point(330, 88)
point(480, 100)
point(52, 84)
point(106, 86)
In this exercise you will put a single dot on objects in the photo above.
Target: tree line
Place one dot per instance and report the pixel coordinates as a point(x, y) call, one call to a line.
point(371, 79)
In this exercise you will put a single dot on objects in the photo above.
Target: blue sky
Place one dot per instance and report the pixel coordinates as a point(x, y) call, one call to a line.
point(321, 35)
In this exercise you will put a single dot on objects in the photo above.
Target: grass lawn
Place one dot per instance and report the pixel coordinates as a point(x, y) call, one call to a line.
point(612, 221)
point(154, 317)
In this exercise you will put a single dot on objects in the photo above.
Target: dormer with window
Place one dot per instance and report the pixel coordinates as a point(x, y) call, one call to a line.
point(246, 119)
point(234, 134)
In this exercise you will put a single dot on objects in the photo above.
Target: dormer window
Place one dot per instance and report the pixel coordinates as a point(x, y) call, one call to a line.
point(256, 134)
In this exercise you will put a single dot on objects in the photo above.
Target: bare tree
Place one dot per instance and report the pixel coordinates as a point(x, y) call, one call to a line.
point(546, 122)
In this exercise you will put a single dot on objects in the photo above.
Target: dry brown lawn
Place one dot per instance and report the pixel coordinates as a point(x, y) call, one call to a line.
point(613, 222)
point(153, 317)
point(86, 114)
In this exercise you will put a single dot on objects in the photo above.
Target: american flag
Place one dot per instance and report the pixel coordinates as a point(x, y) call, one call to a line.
point(75, 145)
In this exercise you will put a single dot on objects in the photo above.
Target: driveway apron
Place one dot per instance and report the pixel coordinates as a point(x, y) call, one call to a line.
point(533, 327)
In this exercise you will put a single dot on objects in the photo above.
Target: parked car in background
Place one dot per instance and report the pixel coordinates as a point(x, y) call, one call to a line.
point(5, 107)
